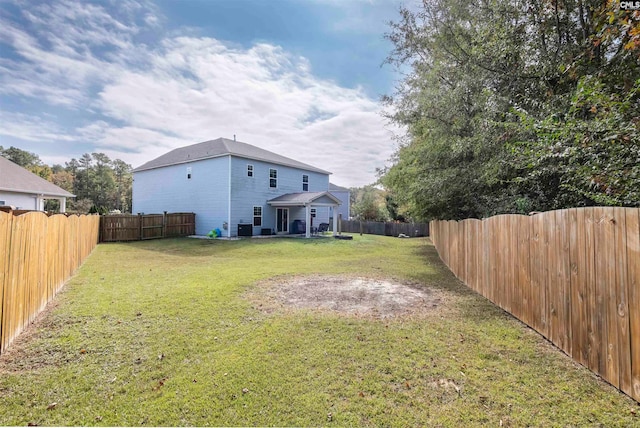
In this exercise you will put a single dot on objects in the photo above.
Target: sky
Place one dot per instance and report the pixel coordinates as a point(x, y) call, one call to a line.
point(135, 79)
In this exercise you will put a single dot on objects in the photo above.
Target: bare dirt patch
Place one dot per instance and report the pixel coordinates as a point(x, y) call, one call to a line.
point(358, 296)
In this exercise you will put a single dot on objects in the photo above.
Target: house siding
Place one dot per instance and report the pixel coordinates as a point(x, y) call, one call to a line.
point(206, 192)
point(344, 207)
point(22, 201)
point(169, 189)
point(247, 192)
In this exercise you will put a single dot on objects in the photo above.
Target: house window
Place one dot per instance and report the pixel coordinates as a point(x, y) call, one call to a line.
point(2, 203)
point(313, 212)
point(305, 183)
point(257, 216)
point(249, 170)
point(189, 173)
point(273, 178)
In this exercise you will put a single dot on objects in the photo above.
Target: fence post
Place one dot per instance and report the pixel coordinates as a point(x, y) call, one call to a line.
point(139, 227)
point(164, 224)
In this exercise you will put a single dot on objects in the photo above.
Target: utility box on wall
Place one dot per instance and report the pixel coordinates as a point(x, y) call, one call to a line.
point(245, 229)
point(298, 227)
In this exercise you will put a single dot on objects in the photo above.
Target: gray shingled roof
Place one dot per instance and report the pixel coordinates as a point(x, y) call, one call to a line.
point(222, 147)
point(14, 178)
point(336, 188)
point(301, 198)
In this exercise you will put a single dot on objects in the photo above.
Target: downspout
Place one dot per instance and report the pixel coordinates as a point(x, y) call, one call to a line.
point(229, 203)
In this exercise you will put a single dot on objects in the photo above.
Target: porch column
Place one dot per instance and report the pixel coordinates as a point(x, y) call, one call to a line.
point(335, 220)
point(307, 216)
point(63, 205)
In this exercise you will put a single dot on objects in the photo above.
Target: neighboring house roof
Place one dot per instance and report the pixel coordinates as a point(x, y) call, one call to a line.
point(336, 188)
point(14, 178)
point(304, 198)
point(222, 147)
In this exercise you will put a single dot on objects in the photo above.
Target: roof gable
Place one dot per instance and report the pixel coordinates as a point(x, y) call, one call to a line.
point(336, 188)
point(14, 178)
point(304, 198)
point(223, 147)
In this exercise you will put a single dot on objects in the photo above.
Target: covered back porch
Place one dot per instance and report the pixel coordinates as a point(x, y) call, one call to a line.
point(306, 201)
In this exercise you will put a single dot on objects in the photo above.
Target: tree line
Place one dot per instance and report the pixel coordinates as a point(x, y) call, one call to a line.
point(512, 106)
point(99, 183)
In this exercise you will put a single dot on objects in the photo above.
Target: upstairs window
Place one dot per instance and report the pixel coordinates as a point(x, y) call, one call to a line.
point(249, 170)
point(257, 216)
point(188, 173)
point(305, 183)
point(273, 178)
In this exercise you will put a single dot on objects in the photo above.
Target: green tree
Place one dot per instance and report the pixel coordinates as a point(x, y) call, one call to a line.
point(28, 160)
point(368, 204)
point(95, 179)
point(486, 76)
point(393, 209)
point(83, 177)
point(102, 181)
point(122, 195)
point(63, 179)
point(593, 152)
point(21, 157)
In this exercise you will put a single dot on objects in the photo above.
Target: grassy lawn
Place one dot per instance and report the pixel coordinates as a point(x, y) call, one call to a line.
point(162, 333)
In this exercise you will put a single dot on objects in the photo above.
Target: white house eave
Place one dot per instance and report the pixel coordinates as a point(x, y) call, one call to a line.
point(314, 204)
point(286, 204)
point(40, 194)
point(311, 202)
point(301, 204)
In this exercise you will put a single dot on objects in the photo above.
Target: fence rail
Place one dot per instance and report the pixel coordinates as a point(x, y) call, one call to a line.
point(385, 229)
point(573, 275)
point(38, 253)
point(128, 227)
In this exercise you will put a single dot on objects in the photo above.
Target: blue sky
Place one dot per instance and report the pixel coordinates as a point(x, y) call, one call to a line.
point(136, 78)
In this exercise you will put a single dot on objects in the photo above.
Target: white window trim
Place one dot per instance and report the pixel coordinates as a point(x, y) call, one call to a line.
point(305, 182)
point(254, 216)
point(250, 170)
point(313, 212)
point(276, 178)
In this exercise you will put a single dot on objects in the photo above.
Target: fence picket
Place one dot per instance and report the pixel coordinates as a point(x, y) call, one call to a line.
point(127, 227)
point(37, 255)
point(633, 291)
point(573, 275)
point(385, 229)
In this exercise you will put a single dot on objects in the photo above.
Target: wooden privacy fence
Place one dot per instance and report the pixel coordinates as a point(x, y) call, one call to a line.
point(573, 275)
point(128, 227)
point(37, 255)
point(385, 229)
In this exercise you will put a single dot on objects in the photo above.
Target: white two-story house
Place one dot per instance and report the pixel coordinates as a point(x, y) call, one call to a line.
point(238, 188)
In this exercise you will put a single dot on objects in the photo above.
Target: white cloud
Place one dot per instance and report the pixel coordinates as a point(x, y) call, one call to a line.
point(183, 90)
point(32, 128)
